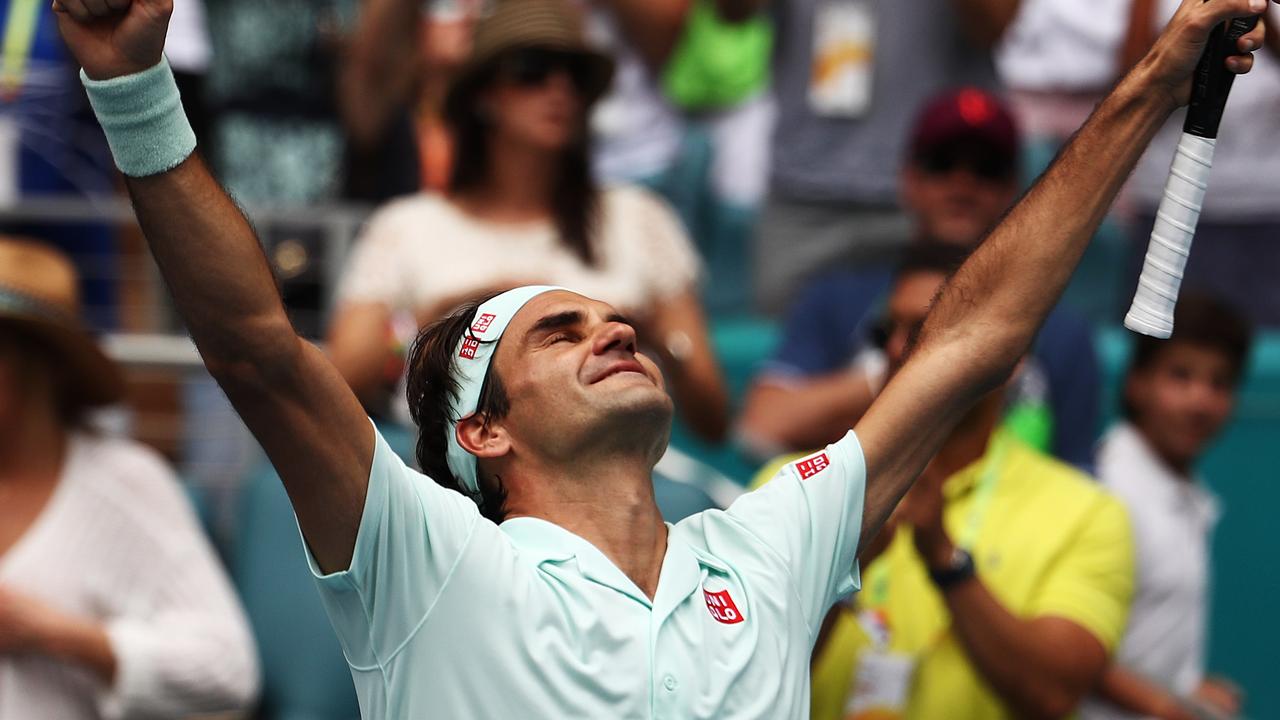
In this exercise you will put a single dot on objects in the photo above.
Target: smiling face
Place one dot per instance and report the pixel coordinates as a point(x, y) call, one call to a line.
point(958, 194)
point(1181, 399)
point(577, 384)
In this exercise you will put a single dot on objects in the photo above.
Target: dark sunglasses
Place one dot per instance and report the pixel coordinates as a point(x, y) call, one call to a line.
point(884, 327)
point(533, 67)
point(988, 165)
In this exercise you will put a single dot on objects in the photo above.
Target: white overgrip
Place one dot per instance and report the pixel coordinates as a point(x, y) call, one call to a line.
point(1152, 310)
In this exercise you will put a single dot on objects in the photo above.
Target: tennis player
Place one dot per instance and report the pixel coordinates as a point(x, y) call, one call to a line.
point(537, 404)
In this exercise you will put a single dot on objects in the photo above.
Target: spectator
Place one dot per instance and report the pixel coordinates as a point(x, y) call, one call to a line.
point(392, 109)
point(112, 603)
point(522, 207)
point(959, 178)
point(719, 77)
point(1178, 395)
point(844, 95)
point(998, 590)
point(1235, 251)
point(50, 149)
point(638, 134)
point(1059, 59)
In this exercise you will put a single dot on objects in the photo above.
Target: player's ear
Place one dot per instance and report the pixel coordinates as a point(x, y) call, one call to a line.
point(483, 439)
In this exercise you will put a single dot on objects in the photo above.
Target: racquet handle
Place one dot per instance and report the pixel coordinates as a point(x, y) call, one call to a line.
point(1152, 310)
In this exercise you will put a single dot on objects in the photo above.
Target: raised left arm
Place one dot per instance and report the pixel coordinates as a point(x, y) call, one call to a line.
point(986, 316)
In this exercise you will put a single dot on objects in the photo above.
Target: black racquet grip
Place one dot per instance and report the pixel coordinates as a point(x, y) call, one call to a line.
point(1212, 81)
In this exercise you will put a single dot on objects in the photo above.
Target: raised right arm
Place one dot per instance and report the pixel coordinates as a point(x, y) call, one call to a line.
point(287, 392)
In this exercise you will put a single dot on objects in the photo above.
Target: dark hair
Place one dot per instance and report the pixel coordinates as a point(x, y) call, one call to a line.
point(1202, 320)
point(931, 256)
point(433, 395)
point(575, 198)
point(34, 355)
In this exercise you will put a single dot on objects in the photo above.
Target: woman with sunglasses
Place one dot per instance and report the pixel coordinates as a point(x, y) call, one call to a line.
point(522, 207)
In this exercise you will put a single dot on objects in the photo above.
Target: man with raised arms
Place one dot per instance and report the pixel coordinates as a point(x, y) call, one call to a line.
point(537, 404)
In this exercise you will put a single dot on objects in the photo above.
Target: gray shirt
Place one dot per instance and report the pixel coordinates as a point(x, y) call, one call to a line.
point(919, 51)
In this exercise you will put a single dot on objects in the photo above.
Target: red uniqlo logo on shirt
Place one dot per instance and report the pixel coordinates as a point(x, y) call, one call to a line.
point(722, 607)
point(469, 347)
point(482, 323)
point(813, 465)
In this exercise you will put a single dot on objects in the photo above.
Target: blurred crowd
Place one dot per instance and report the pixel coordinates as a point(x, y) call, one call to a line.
point(818, 165)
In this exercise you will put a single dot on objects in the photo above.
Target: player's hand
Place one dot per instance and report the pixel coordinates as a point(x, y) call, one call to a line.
point(110, 38)
point(1175, 55)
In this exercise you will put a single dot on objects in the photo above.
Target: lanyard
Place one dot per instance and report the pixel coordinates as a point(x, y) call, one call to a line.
point(19, 34)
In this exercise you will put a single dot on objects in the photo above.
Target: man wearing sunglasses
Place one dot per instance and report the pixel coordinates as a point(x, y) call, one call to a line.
point(959, 176)
point(992, 535)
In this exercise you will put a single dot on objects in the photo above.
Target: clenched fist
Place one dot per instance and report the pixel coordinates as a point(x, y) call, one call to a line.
point(110, 38)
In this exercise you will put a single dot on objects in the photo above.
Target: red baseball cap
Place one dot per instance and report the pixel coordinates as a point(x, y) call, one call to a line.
point(966, 116)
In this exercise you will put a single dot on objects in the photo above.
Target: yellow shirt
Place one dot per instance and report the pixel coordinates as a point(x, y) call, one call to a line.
point(1050, 542)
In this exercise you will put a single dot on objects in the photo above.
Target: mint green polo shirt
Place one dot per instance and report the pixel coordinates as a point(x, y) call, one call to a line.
point(443, 614)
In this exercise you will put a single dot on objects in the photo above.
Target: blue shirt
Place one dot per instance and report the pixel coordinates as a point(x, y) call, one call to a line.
point(832, 318)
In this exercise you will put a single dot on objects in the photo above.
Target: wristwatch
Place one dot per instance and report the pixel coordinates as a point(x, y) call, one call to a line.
point(957, 570)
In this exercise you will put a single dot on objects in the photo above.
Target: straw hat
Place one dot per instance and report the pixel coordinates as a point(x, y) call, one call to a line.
point(38, 294)
point(514, 24)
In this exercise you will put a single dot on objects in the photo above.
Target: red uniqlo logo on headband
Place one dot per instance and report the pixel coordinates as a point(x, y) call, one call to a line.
point(813, 465)
point(470, 346)
point(722, 607)
point(483, 322)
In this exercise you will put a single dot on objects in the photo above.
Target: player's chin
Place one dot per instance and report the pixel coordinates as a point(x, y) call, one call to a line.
point(637, 399)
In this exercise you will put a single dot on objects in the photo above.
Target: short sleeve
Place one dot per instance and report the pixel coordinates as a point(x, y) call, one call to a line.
point(672, 263)
point(811, 515)
point(1092, 583)
point(374, 271)
point(412, 534)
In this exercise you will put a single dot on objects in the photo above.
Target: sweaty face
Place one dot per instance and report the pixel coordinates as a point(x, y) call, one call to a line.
point(1182, 400)
point(957, 196)
point(577, 382)
point(535, 100)
point(908, 306)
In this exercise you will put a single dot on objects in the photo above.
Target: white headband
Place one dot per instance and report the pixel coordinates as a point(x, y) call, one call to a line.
point(473, 356)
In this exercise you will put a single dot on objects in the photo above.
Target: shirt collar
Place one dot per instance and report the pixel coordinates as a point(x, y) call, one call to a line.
point(546, 542)
point(1155, 479)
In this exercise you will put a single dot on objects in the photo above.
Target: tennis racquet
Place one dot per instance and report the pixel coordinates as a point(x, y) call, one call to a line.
point(1152, 310)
